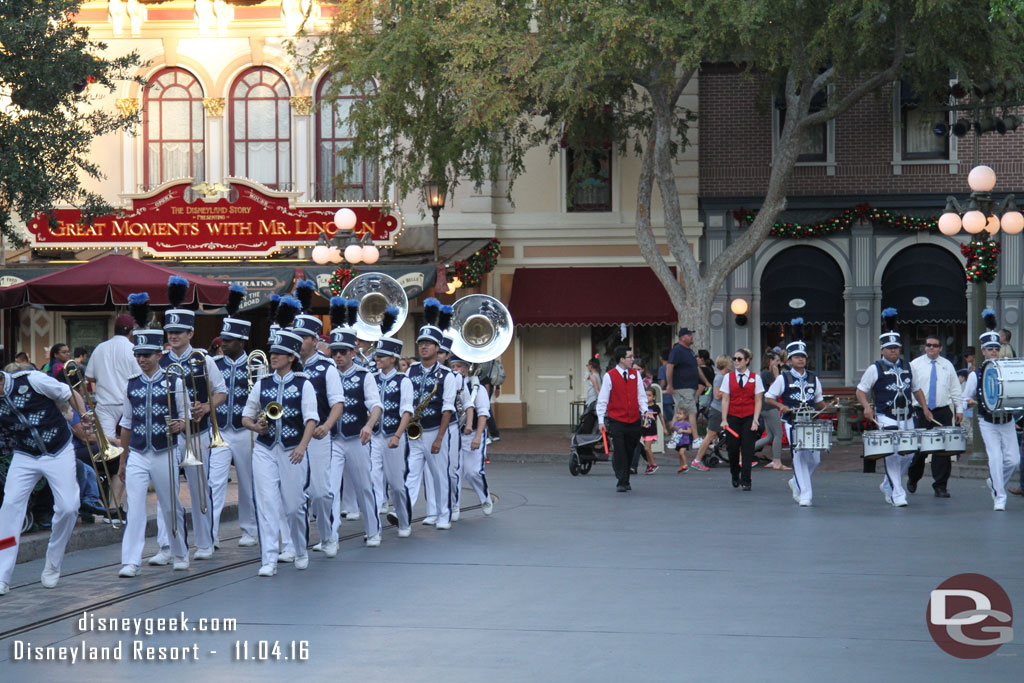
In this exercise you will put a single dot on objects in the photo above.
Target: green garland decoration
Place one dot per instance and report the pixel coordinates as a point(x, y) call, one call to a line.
point(841, 222)
point(982, 255)
point(341, 277)
point(471, 271)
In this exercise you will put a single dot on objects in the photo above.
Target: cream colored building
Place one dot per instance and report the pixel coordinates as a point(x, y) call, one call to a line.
point(212, 58)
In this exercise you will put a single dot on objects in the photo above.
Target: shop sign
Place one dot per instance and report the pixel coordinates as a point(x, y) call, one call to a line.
point(240, 218)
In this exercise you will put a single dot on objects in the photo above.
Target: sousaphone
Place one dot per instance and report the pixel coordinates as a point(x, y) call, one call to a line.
point(375, 292)
point(482, 327)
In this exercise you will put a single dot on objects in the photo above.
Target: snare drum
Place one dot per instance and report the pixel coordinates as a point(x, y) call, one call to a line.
point(812, 436)
point(1002, 382)
point(954, 439)
point(878, 444)
point(908, 441)
point(932, 440)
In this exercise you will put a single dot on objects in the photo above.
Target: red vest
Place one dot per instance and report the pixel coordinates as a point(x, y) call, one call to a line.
point(741, 401)
point(622, 402)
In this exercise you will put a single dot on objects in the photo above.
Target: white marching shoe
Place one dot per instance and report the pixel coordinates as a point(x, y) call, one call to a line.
point(246, 541)
point(50, 576)
point(302, 562)
point(805, 503)
point(456, 513)
point(373, 542)
point(128, 571)
point(330, 548)
point(796, 492)
point(4, 588)
point(488, 505)
point(203, 553)
point(405, 533)
point(161, 559)
point(286, 557)
point(267, 570)
point(181, 563)
point(443, 526)
point(999, 507)
point(432, 519)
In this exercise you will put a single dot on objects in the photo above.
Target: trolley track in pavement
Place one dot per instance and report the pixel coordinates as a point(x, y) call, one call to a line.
point(186, 578)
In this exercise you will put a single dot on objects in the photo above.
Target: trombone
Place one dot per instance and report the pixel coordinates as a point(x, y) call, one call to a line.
point(193, 437)
point(106, 452)
point(257, 366)
point(215, 439)
point(171, 371)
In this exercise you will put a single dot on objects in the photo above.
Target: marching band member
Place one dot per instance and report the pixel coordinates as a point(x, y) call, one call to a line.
point(234, 366)
point(890, 383)
point(474, 433)
point(178, 324)
point(997, 430)
point(455, 444)
point(792, 389)
point(43, 448)
point(362, 410)
point(323, 376)
point(434, 400)
point(150, 430)
point(365, 359)
point(279, 467)
point(390, 439)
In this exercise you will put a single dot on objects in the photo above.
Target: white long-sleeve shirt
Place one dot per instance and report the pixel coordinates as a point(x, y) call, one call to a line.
point(947, 384)
point(606, 392)
point(111, 364)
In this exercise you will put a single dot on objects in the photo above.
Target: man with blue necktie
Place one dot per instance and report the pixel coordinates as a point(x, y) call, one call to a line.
point(936, 399)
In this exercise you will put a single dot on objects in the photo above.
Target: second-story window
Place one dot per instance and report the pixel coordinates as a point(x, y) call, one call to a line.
point(917, 128)
point(339, 179)
point(261, 128)
point(815, 143)
point(172, 128)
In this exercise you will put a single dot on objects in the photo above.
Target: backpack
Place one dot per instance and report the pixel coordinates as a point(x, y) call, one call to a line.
point(496, 373)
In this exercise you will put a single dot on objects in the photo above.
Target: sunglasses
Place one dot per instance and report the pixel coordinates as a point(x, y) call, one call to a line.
point(738, 359)
point(934, 346)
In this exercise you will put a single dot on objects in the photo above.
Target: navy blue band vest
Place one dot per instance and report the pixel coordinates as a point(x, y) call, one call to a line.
point(790, 395)
point(888, 395)
point(199, 393)
point(236, 377)
point(390, 398)
point(148, 397)
point(355, 414)
point(422, 384)
point(34, 419)
point(315, 372)
point(288, 430)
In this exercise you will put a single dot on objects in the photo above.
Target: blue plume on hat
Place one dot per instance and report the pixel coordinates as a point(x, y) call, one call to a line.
point(138, 307)
point(431, 310)
point(337, 311)
point(351, 311)
point(444, 318)
point(177, 288)
point(235, 295)
point(989, 316)
point(287, 310)
point(889, 316)
point(304, 293)
point(797, 324)
point(388, 320)
point(275, 303)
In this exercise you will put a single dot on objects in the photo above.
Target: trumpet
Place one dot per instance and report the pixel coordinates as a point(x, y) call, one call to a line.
point(273, 411)
point(215, 438)
point(415, 430)
point(106, 452)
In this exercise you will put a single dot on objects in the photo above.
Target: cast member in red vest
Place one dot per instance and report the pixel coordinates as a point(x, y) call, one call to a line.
point(742, 392)
point(621, 404)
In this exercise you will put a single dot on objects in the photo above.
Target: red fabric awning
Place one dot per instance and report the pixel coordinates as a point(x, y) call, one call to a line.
point(589, 296)
point(108, 281)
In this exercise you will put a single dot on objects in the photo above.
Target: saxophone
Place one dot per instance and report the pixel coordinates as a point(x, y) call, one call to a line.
point(415, 429)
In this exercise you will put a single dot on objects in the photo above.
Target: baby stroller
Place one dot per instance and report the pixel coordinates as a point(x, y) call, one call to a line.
point(587, 445)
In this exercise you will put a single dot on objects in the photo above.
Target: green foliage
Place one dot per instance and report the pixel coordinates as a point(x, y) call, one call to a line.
point(49, 71)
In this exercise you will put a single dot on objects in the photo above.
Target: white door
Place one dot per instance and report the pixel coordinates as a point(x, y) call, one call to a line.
point(550, 357)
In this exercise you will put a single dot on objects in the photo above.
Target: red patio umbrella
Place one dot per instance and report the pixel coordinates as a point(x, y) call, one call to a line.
point(108, 281)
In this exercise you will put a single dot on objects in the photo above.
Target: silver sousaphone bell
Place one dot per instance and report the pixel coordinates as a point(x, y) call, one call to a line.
point(375, 292)
point(482, 326)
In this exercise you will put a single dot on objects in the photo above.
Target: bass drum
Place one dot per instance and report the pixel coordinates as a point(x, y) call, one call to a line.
point(1002, 384)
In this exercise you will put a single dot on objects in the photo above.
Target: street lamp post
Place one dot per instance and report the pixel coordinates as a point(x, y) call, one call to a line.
point(434, 194)
point(979, 217)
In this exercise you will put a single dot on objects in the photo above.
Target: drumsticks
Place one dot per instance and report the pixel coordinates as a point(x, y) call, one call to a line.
point(6, 543)
point(604, 438)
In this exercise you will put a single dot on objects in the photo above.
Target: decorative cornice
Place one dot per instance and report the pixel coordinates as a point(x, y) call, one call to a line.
point(214, 106)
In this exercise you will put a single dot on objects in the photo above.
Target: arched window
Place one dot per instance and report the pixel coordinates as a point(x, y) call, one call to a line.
point(261, 128)
point(337, 179)
point(172, 129)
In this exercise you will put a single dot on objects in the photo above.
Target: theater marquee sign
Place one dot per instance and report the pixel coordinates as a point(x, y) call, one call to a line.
point(240, 218)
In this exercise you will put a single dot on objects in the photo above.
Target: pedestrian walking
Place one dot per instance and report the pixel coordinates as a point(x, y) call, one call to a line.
point(621, 404)
point(742, 392)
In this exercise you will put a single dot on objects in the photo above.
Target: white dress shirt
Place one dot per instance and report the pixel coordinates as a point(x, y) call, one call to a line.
point(747, 376)
point(947, 384)
point(111, 364)
point(606, 392)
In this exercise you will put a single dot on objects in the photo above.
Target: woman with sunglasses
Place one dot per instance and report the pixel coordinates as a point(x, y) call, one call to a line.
point(742, 392)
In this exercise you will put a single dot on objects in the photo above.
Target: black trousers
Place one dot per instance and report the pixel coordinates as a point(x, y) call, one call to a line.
point(942, 465)
point(625, 438)
point(742, 447)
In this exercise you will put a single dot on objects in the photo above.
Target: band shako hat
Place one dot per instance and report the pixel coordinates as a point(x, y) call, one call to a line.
point(232, 327)
point(990, 337)
point(455, 359)
point(177, 319)
point(387, 346)
point(285, 341)
point(446, 343)
point(431, 331)
point(148, 341)
point(890, 338)
point(797, 347)
point(343, 317)
point(138, 307)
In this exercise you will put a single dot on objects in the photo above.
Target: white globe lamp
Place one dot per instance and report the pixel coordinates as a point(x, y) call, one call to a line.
point(345, 219)
point(981, 179)
point(992, 225)
point(974, 222)
point(334, 255)
point(370, 254)
point(353, 253)
point(1013, 222)
point(321, 254)
point(949, 223)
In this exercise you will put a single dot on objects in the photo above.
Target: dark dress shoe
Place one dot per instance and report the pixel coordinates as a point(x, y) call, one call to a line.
point(941, 493)
point(912, 486)
point(746, 487)
point(620, 489)
point(1015, 491)
point(735, 483)
point(628, 487)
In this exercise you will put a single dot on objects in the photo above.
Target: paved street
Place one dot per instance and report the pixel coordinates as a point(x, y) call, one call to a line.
point(685, 578)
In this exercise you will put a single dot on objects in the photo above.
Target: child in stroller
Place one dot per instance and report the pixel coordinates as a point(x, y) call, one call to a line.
point(587, 444)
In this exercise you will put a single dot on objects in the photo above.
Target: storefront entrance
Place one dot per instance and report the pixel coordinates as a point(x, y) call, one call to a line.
point(550, 376)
